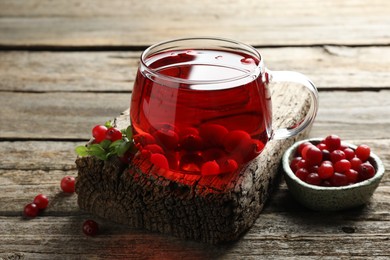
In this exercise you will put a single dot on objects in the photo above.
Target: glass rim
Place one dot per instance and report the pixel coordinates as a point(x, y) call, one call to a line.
point(257, 70)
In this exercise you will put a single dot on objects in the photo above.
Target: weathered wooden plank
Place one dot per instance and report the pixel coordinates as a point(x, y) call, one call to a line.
point(272, 236)
point(133, 23)
point(329, 67)
point(352, 115)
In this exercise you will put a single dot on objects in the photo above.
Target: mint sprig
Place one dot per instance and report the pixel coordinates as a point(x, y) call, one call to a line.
point(105, 149)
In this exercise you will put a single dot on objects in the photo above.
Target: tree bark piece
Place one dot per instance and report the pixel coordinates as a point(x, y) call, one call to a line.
point(212, 209)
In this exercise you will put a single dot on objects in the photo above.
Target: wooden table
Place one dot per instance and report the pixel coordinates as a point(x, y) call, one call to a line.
point(68, 65)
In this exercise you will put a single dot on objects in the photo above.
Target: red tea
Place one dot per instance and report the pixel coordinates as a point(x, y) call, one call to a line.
point(205, 111)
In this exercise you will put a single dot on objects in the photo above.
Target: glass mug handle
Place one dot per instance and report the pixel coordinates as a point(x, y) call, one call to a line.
point(299, 78)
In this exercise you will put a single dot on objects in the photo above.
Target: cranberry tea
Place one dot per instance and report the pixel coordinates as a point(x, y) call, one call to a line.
point(201, 110)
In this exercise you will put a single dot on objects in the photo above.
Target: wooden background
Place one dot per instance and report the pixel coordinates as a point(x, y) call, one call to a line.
point(68, 65)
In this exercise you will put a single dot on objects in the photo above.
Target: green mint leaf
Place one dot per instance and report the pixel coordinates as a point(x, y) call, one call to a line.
point(122, 148)
point(129, 132)
point(82, 150)
point(105, 144)
point(97, 150)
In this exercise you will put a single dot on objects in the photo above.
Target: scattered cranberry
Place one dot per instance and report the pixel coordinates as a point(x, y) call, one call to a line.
point(331, 163)
point(90, 227)
point(68, 184)
point(31, 210)
point(99, 133)
point(41, 201)
point(113, 134)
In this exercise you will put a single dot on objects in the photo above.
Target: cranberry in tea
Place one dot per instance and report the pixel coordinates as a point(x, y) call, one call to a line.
point(204, 110)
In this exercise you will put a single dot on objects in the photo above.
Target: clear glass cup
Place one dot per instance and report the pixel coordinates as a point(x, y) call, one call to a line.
point(203, 105)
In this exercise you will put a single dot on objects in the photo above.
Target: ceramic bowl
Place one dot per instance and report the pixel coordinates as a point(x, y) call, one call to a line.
point(330, 198)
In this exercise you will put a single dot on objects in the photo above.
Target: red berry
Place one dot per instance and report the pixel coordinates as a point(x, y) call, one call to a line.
point(31, 210)
point(349, 153)
point(342, 166)
point(293, 165)
point(302, 146)
point(313, 168)
point(313, 155)
point(336, 156)
point(235, 139)
point(325, 171)
point(213, 134)
point(210, 168)
point(113, 134)
point(302, 164)
point(144, 139)
point(154, 148)
point(188, 131)
point(333, 142)
point(363, 152)
point(352, 176)
point(302, 173)
point(99, 133)
point(355, 163)
point(159, 160)
point(68, 184)
point(230, 165)
point(305, 149)
point(191, 162)
point(325, 155)
point(191, 142)
point(251, 148)
point(322, 146)
point(90, 228)
point(313, 179)
point(41, 201)
point(167, 138)
point(366, 171)
point(339, 179)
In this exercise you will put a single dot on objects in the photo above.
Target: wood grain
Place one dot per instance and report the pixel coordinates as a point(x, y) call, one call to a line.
point(329, 67)
point(29, 24)
point(70, 116)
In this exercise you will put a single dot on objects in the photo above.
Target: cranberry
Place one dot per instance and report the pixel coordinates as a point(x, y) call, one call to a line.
point(325, 171)
point(159, 160)
point(363, 152)
point(349, 153)
point(167, 138)
point(230, 165)
point(302, 173)
point(325, 155)
point(333, 142)
point(313, 178)
point(339, 179)
point(342, 166)
point(235, 139)
point(113, 134)
point(352, 176)
point(294, 163)
point(188, 131)
point(99, 133)
point(302, 164)
point(322, 146)
point(68, 184)
point(41, 201)
point(302, 146)
point(251, 148)
point(213, 134)
point(191, 142)
point(144, 139)
point(355, 163)
point(366, 171)
point(337, 155)
point(210, 168)
point(154, 148)
point(305, 149)
point(31, 210)
point(191, 162)
point(313, 155)
point(90, 227)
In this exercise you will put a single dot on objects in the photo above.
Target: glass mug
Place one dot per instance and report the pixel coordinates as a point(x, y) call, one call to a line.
point(203, 105)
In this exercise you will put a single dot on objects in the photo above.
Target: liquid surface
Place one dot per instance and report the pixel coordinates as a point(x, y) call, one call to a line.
point(201, 128)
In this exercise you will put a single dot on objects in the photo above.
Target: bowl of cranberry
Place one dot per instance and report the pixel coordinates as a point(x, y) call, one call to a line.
point(328, 174)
